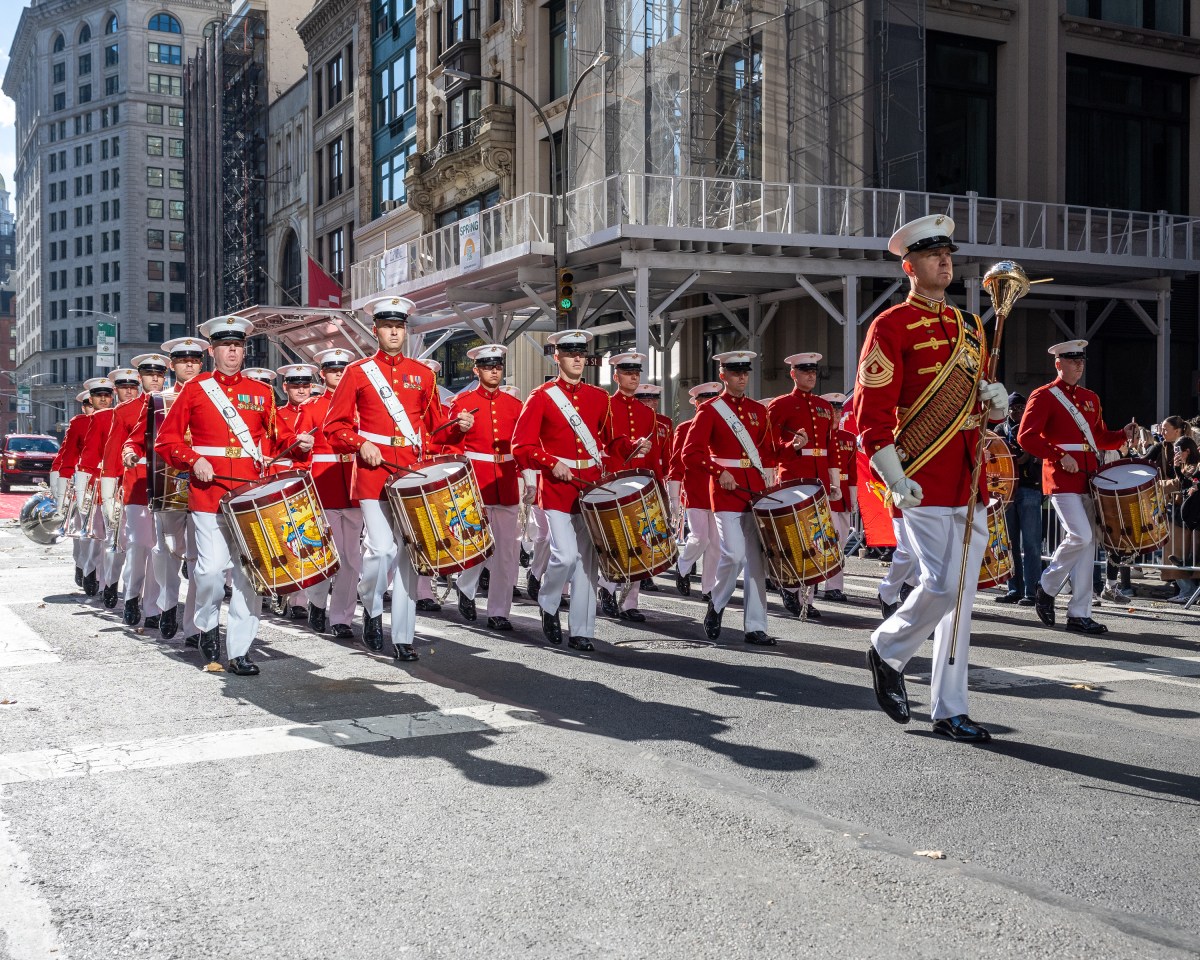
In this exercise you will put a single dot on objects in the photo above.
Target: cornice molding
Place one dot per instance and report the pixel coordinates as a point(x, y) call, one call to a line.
point(322, 16)
point(984, 9)
point(1135, 37)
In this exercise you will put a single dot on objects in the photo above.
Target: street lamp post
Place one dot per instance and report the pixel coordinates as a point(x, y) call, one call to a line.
point(557, 185)
point(29, 378)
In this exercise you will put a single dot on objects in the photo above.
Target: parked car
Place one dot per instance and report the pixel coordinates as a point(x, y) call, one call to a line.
point(26, 458)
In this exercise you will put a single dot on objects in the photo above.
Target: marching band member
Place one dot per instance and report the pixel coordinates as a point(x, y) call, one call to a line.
point(490, 417)
point(384, 410)
point(100, 391)
point(804, 427)
point(296, 418)
point(173, 535)
point(730, 441)
point(916, 403)
point(651, 395)
point(845, 460)
point(221, 428)
point(261, 374)
point(1063, 426)
point(333, 473)
point(563, 431)
point(427, 601)
point(124, 464)
point(634, 421)
point(62, 473)
point(127, 386)
point(702, 539)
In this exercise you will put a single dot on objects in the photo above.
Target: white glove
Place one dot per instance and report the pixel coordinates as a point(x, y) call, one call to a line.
point(58, 490)
point(529, 494)
point(673, 487)
point(905, 492)
point(835, 484)
point(996, 396)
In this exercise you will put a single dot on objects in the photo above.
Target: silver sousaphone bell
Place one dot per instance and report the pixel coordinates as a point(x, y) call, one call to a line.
point(40, 520)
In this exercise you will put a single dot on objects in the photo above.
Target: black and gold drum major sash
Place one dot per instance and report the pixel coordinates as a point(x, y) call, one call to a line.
point(946, 404)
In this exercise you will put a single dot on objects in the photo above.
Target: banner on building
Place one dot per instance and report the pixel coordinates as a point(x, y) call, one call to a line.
point(468, 244)
point(323, 290)
point(395, 266)
point(106, 344)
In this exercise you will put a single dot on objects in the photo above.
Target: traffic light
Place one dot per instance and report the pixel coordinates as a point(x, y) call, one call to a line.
point(565, 292)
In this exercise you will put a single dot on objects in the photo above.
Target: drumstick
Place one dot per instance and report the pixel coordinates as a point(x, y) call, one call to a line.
point(450, 422)
point(270, 463)
point(395, 467)
point(633, 451)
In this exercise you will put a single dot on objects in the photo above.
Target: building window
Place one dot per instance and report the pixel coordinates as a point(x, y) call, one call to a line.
point(337, 255)
point(154, 332)
point(111, 24)
point(154, 176)
point(85, 34)
point(112, 55)
point(560, 84)
point(739, 102)
point(154, 239)
point(165, 23)
point(1169, 16)
point(396, 92)
point(1127, 136)
point(177, 271)
point(154, 146)
point(175, 179)
point(175, 116)
point(334, 164)
point(165, 84)
point(175, 209)
point(59, 44)
point(59, 73)
point(112, 86)
point(960, 145)
point(154, 208)
point(60, 101)
point(175, 149)
point(155, 301)
point(463, 107)
point(462, 22)
point(178, 302)
point(391, 173)
point(175, 240)
point(333, 81)
point(85, 64)
point(154, 269)
point(154, 113)
point(168, 53)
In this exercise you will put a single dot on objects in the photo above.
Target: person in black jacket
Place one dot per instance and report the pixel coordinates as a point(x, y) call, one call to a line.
point(1023, 516)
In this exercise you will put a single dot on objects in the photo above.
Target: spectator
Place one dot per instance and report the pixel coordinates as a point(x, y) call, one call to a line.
point(1181, 546)
point(1023, 516)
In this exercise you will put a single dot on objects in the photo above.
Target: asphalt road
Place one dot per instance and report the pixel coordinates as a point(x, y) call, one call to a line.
point(661, 797)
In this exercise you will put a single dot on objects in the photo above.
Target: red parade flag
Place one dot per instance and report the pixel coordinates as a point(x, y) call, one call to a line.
point(323, 290)
point(873, 509)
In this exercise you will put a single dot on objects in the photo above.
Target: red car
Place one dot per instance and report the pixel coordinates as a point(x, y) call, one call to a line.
point(26, 458)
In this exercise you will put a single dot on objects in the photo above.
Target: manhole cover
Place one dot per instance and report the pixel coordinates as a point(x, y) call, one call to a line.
point(663, 644)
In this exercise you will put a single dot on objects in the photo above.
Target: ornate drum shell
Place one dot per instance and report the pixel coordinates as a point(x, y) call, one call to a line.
point(795, 527)
point(627, 518)
point(1131, 516)
point(436, 516)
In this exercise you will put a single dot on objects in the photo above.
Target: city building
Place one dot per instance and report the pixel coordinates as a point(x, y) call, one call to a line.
point(99, 184)
point(8, 235)
point(730, 173)
point(9, 420)
point(288, 207)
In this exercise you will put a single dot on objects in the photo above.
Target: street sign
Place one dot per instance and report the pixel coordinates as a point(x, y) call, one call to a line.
point(468, 244)
point(106, 344)
point(23, 402)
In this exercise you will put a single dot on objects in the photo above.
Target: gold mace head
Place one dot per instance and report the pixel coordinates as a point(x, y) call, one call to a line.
point(1005, 283)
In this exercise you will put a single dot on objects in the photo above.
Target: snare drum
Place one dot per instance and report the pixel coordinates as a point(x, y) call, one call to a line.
point(1129, 507)
point(997, 566)
point(1000, 467)
point(440, 513)
point(796, 529)
point(282, 533)
point(627, 518)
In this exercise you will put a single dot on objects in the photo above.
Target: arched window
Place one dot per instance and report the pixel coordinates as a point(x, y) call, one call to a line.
point(211, 27)
point(165, 23)
point(289, 269)
point(60, 44)
point(85, 33)
point(111, 24)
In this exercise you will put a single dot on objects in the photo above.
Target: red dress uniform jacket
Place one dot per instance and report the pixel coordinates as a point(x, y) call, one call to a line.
point(633, 420)
point(357, 410)
point(800, 410)
point(709, 439)
point(666, 438)
point(488, 444)
point(542, 437)
point(845, 446)
point(133, 480)
point(333, 473)
point(92, 455)
point(696, 493)
point(295, 418)
point(67, 458)
point(1047, 424)
point(194, 411)
point(904, 350)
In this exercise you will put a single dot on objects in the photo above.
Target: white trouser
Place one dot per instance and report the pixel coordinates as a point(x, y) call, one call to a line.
point(541, 542)
point(174, 541)
point(740, 547)
point(215, 552)
point(1075, 554)
point(502, 564)
point(139, 567)
point(841, 526)
point(112, 560)
point(385, 558)
point(91, 552)
point(77, 551)
point(572, 560)
point(425, 588)
point(340, 593)
point(703, 542)
point(631, 597)
point(935, 536)
point(904, 568)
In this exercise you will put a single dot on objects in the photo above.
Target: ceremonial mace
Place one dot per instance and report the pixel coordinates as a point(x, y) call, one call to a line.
point(1005, 283)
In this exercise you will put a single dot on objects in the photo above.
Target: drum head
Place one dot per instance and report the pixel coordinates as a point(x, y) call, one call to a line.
point(427, 472)
point(268, 490)
point(792, 495)
point(618, 487)
point(1125, 476)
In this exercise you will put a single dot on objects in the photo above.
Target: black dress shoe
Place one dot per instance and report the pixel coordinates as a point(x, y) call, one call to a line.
point(712, 622)
point(342, 631)
point(373, 632)
point(962, 728)
point(887, 609)
point(1026, 602)
point(91, 584)
point(635, 615)
point(316, 618)
point(210, 645)
point(426, 605)
point(229, 593)
point(551, 627)
point(1085, 625)
point(297, 613)
point(499, 623)
point(905, 590)
point(110, 596)
point(791, 602)
point(168, 624)
point(649, 586)
point(1043, 603)
point(812, 613)
point(466, 606)
point(580, 643)
point(193, 641)
point(151, 623)
point(79, 576)
point(564, 603)
point(608, 604)
point(532, 586)
point(683, 584)
point(706, 597)
point(889, 687)
point(760, 639)
point(1009, 598)
point(243, 667)
point(526, 556)
point(133, 612)
point(404, 653)
point(387, 596)
point(835, 596)
point(183, 570)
